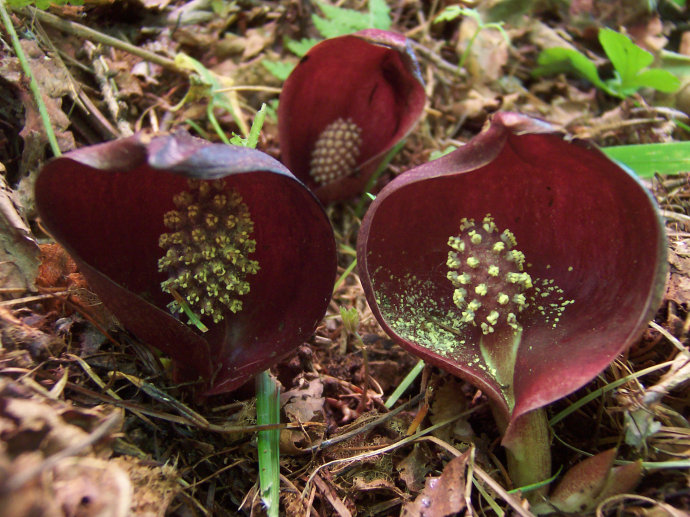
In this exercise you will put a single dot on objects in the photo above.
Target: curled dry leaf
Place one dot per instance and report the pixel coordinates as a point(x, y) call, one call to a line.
point(442, 496)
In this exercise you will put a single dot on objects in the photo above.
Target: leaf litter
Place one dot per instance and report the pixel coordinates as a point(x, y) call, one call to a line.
point(111, 441)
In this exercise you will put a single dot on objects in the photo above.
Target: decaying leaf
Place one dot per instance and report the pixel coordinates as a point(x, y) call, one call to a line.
point(442, 496)
point(414, 467)
point(18, 249)
point(301, 404)
point(449, 400)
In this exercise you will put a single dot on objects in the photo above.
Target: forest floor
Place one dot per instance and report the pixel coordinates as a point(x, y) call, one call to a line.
point(90, 417)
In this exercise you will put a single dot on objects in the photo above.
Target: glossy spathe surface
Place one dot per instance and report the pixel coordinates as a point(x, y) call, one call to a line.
point(579, 219)
point(369, 79)
point(105, 204)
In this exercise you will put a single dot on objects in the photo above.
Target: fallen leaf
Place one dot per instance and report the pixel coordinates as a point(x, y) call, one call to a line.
point(18, 249)
point(449, 400)
point(300, 404)
point(442, 496)
point(414, 467)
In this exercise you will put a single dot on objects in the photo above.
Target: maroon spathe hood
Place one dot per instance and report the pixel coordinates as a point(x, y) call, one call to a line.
point(370, 78)
point(105, 204)
point(580, 220)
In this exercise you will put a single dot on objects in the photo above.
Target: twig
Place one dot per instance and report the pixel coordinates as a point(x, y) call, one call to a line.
point(104, 83)
point(346, 436)
point(82, 31)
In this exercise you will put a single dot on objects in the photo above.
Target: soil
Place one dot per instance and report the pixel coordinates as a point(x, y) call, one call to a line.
point(91, 419)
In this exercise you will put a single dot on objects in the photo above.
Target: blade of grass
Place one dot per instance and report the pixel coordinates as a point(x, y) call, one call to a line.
point(345, 274)
point(82, 31)
point(648, 159)
point(409, 379)
point(597, 393)
point(33, 84)
point(267, 444)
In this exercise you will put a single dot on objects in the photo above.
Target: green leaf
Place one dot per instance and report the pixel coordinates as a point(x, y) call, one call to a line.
point(627, 58)
point(280, 69)
point(677, 64)
point(450, 13)
point(558, 60)
point(339, 21)
point(648, 159)
point(301, 47)
point(661, 80)
point(379, 15)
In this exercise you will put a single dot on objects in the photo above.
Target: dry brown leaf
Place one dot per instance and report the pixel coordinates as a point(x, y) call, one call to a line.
point(442, 496)
point(449, 400)
point(489, 52)
point(413, 468)
point(301, 404)
point(154, 487)
point(18, 249)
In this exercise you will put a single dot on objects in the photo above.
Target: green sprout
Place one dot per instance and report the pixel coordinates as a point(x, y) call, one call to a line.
point(631, 65)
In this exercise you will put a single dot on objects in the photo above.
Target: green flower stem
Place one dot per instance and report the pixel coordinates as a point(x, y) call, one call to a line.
point(528, 447)
point(268, 412)
point(499, 351)
point(35, 90)
point(528, 450)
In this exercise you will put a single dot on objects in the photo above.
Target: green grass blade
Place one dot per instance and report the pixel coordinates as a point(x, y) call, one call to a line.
point(409, 379)
point(33, 84)
point(648, 159)
point(267, 444)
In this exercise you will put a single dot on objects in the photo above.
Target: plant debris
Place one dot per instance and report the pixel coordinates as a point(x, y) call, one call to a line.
point(93, 420)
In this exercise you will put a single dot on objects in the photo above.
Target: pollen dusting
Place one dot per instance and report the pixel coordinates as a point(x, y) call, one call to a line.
point(207, 249)
point(418, 318)
point(492, 288)
point(336, 151)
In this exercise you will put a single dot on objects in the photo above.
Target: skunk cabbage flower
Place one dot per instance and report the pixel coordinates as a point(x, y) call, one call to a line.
point(170, 226)
point(348, 101)
point(520, 262)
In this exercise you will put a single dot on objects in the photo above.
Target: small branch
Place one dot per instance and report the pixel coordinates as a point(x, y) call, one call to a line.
point(82, 31)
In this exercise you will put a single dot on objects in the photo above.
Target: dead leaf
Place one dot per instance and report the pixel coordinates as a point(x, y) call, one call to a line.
point(489, 52)
point(414, 467)
point(449, 400)
point(330, 493)
point(442, 496)
point(18, 249)
point(89, 487)
point(301, 404)
point(154, 487)
point(17, 335)
point(56, 266)
point(50, 462)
